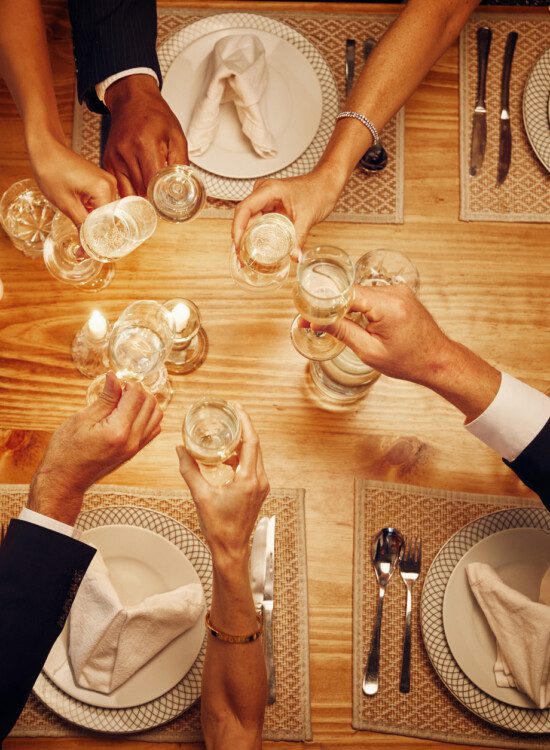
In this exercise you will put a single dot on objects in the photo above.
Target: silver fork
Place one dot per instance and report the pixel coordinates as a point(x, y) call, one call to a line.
point(409, 569)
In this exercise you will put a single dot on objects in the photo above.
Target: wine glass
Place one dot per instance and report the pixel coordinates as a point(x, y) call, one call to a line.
point(26, 216)
point(95, 389)
point(212, 435)
point(177, 193)
point(190, 345)
point(383, 267)
point(67, 261)
point(322, 294)
point(116, 229)
point(263, 259)
point(343, 380)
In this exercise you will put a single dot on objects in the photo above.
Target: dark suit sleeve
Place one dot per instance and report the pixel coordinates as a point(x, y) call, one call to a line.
point(533, 465)
point(40, 572)
point(110, 36)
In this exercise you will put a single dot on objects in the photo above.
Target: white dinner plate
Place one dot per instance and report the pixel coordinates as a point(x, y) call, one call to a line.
point(297, 67)
point(520, 557)
point(181, 696)
point(291, 105)
point(499, 713)
point(141, 563)
point(536, 108)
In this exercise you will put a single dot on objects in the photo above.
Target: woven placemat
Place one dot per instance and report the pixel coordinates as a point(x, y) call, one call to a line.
point(289, 718)
point(376, 197)
point(525, 194)
point(429, 710)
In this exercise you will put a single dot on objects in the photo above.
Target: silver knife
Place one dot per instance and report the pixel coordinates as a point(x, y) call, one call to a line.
point(257, 563)
point(350, 64)
point(479, 128)
point(505, 143)
point(268, 609)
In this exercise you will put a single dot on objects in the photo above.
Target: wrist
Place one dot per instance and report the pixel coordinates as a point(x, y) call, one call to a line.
point(126, 90)
point(41, 137)
point(231, 565)
point(331, 176)
point(50, 496)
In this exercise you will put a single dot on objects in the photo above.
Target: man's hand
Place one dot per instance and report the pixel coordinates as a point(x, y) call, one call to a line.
point(70, 182)
point(402, 340)
point(145, 135)
point(227, 514)
point(92, 443)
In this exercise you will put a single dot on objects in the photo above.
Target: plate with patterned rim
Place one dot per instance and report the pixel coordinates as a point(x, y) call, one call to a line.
point(228, 188)
point(187, 691)
point(503, 715)
point(536, 108)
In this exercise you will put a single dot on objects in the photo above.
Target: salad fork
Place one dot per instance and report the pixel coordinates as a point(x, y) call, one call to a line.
point(409, 568)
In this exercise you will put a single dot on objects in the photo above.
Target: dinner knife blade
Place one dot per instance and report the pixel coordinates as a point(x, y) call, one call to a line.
point(505, 142)
point(268, 609)
point(257, 562)
point(350, 65)
point(479, 126)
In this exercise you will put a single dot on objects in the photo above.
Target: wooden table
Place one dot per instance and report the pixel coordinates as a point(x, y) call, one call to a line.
point(486, 283)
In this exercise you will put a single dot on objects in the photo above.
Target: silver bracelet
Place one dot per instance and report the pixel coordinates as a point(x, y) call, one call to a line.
point(366, 122)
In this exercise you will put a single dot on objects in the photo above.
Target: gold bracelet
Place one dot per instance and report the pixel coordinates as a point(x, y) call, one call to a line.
point(228, 638)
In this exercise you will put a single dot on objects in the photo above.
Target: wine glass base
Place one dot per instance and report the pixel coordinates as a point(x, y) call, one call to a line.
point(315, 346)
point(218, 475)
point(252, 281)
point(164, 395)
point(186, 360)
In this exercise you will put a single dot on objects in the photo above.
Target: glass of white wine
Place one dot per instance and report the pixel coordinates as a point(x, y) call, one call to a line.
point(177, 193)
point(322, 294)
point(212, 435)
point(262, 262)
point(26, 216)
point(116, 229)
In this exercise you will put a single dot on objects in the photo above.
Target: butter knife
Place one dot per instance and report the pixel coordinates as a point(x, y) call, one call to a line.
point(350, 65)
point(479, 128)
point(268, 609)
point(257, 563)
point(505, 143)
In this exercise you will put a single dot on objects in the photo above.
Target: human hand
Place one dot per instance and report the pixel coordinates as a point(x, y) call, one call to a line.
point(227, 514)
point(145, 135)
point(92, 443)
point(306, 200)
point(70, 182)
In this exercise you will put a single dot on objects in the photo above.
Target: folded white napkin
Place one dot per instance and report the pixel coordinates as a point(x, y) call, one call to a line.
point(236, 72)
point(108, 643)
point(522, 631)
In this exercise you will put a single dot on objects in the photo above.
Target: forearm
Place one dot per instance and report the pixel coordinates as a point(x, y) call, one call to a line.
point(234, 676)
point(395, 68)
point(25, 66)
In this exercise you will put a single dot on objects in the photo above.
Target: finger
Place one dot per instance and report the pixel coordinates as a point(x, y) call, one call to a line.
point(131, 169)
point(360, 341)
point(302, 225)
point(131, 402)
point(155, 433)
point(124, 186)
point(154, 420)
point(74, 209)
point(260, 471)
point(191, 474)
point(150, 163)
point(104, 191)
point(107, 400)
point(367, 300)
point(250, 446)
point(139, 426)
point(177, 149)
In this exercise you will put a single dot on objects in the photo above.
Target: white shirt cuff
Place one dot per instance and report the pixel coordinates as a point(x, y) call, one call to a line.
point(513, 419)
point(31, 516)
point(102, 87)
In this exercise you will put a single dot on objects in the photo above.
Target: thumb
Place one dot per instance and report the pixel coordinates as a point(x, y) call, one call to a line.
point(302, 225)
point(108, 399)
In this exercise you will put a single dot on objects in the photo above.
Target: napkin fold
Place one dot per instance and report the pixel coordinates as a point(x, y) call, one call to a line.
point(522, 631)
point(237, 72)
point(108, 642)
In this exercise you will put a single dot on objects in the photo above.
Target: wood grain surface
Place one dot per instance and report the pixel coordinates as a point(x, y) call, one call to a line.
point(486, 283)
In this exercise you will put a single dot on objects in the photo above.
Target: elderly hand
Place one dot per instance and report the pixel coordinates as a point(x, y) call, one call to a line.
point(70, 182)
point(227, 514)
point(92, 443)
point(145, 135)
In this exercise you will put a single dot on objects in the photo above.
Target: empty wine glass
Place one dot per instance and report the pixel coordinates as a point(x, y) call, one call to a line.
point(26, 216)
point(190, 345)
point(177, 193)
point(263, 259)
point(383, 267)
point(67, 261)
point(322, 294)
point(212, 435)
point(116, 229)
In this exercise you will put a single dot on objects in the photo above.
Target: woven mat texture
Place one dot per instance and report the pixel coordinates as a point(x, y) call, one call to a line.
point(289, 717)
point(374, 197)
point(429, 710)
point(525, 194)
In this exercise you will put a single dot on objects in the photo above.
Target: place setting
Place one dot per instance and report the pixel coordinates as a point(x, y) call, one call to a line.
point(475, 581)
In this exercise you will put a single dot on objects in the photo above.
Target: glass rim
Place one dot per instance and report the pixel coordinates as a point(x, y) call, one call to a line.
point(203, 402)
point(342, 254)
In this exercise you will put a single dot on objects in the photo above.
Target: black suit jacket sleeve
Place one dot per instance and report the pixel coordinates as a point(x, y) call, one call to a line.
point(110, 36)
point(40, 571)
point(533, 465)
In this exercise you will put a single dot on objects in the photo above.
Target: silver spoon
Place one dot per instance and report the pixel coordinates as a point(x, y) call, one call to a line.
point(385, 550)
point(376, 157)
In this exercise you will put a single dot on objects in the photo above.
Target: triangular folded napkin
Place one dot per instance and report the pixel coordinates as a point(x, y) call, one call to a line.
point(522, 631)
point(109, 642)
point(237, 71)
